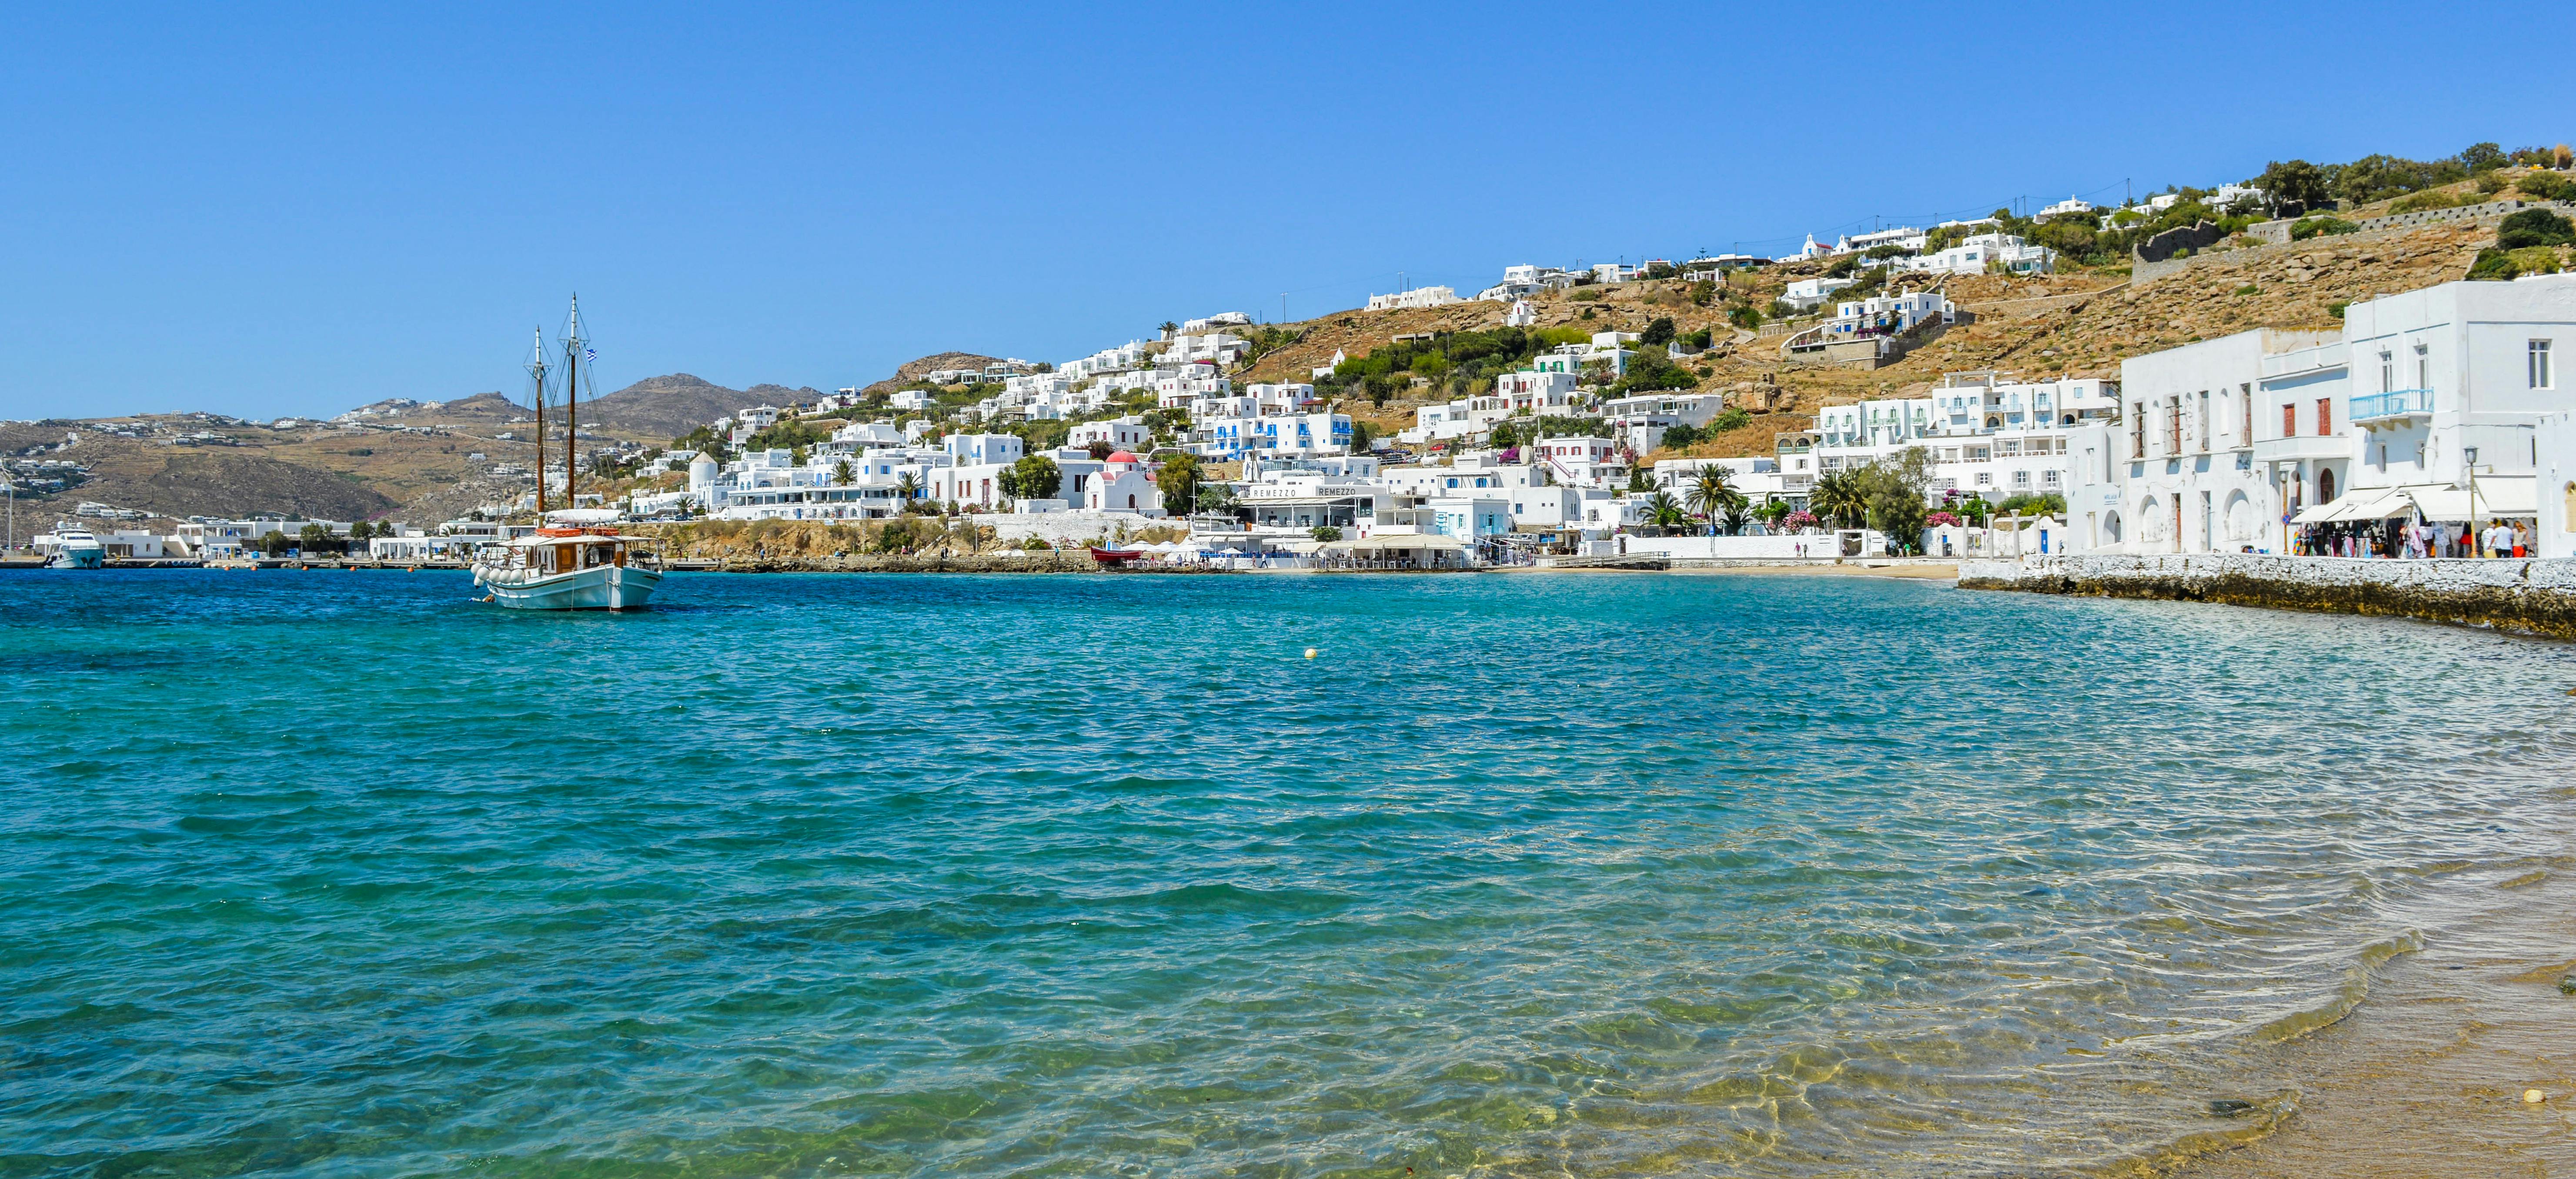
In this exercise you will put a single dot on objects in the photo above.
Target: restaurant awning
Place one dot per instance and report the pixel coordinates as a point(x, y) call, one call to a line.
point(2369, 503)
point(1401, 540)
point(2498, 495)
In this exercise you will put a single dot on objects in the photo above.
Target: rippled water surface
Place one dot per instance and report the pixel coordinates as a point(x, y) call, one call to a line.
point(340, 874)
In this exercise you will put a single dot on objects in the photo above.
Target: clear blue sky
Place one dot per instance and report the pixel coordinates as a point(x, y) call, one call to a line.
point(282, 210)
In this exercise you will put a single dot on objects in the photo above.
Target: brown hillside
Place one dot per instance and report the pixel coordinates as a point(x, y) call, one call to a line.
point(915, 370)
point(216, 481)
point(2076, 324)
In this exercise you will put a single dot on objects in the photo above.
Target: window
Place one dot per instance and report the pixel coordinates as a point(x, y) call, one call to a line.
point(2137, 428)
point(2021, 478)
point(2204, 421)
point(2539, 353)
point(2387, 372)
point(2289, 421)
point(2049, 477)
point(2245, 399)
point(2325, 416)
point(2173, 424)
point(2423, 367)
point(1985, 478)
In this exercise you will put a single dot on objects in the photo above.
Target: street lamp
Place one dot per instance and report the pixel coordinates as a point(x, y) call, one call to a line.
point(2469, 464)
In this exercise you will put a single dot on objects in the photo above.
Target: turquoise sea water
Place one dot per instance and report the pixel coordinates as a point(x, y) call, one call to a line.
point(338, 874)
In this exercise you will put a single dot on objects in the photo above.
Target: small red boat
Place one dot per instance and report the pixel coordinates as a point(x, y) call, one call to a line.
point(1114, 556)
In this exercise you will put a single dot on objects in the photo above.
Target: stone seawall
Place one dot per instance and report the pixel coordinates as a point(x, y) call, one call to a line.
point(2531, 596)
point(1006, 561)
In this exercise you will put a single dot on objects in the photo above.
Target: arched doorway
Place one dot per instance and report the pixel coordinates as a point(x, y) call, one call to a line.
point(2325, 486)
point(2111, 527)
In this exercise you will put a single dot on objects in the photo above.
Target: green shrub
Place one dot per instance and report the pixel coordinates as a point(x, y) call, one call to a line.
point(1584, 296)
point(2534, 227)
point(2249, 289)
point(2308, 227)
point(2548, 186)
point(2496, 264)
point(2429, 200)
point(2536, 260)
point(1660, 331)
point(2489, 184)
point(1733, 419)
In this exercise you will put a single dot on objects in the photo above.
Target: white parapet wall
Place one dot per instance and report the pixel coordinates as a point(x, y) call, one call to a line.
point(1738, 548)
point(1067, 528)
point(2523, 594)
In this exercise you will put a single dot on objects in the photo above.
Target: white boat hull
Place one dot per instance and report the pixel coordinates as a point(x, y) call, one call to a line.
point(604, 587)
point(80, 557)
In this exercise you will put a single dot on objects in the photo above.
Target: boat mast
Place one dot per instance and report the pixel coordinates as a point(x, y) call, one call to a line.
point(537, 373)
point(572, 393)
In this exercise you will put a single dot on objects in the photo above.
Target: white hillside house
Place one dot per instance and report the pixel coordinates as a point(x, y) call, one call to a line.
point(1417, 297)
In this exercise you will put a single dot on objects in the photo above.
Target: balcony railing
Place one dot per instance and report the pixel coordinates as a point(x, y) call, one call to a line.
point(2396, 403)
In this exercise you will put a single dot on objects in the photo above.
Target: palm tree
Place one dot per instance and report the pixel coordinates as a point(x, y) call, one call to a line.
point(907, 488)
point(1712, 491)
point(1663, 512)
point(1839, 497)
point(1739, 510)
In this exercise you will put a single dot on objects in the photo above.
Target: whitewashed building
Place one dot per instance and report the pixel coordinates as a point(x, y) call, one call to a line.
point(1417, 297)
point(1126, 433)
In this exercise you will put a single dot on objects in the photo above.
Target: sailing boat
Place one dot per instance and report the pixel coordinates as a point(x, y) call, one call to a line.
point(575, 560)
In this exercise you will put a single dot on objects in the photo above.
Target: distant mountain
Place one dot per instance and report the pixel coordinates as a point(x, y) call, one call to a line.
point(916, 370)
point(669, 406)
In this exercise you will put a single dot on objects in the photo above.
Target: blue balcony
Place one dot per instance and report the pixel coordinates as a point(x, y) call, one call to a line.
point(2396, 403)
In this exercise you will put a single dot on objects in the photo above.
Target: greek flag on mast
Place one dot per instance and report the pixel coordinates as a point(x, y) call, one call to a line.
point(590, 354)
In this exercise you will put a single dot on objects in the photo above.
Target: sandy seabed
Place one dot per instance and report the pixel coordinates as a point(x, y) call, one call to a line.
point(2429, 1075)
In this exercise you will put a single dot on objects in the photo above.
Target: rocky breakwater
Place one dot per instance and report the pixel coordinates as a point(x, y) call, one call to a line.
point(905, 544)
point(2532, 596)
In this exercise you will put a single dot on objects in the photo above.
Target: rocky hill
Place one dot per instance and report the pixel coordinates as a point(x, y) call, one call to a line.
point(664, 407)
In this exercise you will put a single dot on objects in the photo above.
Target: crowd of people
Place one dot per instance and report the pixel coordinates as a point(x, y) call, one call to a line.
point(2414, 538)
